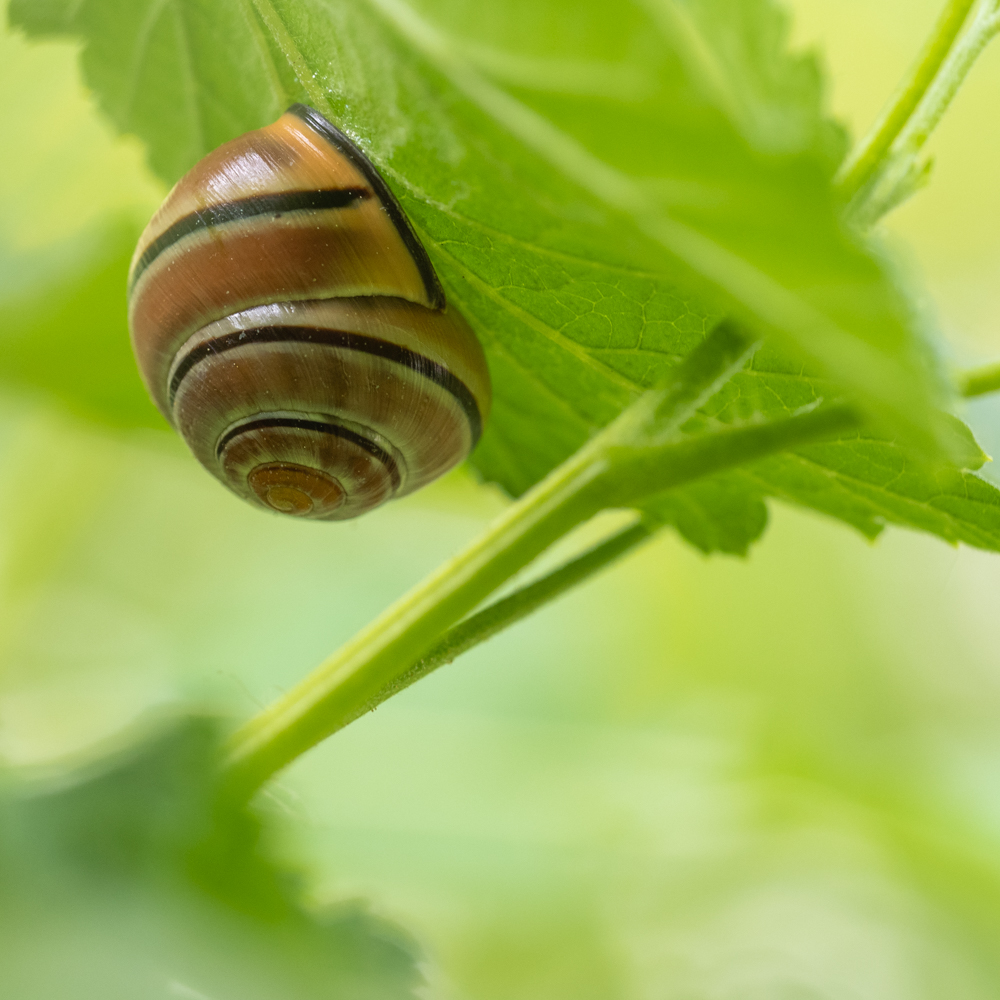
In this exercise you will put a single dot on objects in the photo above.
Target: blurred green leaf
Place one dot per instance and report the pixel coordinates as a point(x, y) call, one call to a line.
point(594, 199)
point(70, 211)
point(736, 51)
point(72, 342)
point(134, 877)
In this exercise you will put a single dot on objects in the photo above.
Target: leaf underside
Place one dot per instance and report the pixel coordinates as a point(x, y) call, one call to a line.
point(594, 200)
point(136, 876)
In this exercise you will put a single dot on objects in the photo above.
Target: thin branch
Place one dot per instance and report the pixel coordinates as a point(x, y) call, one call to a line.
point(603, 474)
point(980, 381)
point(647, 472)
point(864, 161)
point(490, 621)
point(339, 688)
point(898, 174)
point(952, 75)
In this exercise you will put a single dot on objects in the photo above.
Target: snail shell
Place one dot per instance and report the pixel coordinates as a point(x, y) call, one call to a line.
point(288, 322)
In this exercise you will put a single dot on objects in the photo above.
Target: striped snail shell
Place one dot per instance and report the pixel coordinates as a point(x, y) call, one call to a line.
point(288, 322)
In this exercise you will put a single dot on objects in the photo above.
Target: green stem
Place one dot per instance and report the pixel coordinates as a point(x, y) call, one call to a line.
point(897, 173)
point(477, 628)
point(335, 692)
point(980, 381)
point(487, 623)
point(605, 473)
point(644, 473)
point(864, 161)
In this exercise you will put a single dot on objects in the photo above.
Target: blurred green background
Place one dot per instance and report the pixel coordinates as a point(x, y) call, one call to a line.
point(691, 780)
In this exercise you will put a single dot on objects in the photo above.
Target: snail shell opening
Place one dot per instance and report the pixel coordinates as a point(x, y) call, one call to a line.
point(288, 322)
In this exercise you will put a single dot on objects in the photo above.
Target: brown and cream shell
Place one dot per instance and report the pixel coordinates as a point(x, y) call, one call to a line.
point(288, 322)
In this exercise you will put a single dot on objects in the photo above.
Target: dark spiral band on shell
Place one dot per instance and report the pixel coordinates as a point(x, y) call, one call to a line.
point(416, 363)
point(337, 139)
point(245, 208)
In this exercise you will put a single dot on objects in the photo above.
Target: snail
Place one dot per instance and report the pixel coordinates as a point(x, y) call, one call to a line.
point(288, 322)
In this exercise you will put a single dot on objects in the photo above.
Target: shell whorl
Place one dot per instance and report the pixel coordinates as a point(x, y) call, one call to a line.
point(288, 322)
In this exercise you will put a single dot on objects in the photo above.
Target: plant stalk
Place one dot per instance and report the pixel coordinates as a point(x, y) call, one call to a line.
point(509, 610)
point(603, 474)
point(483, 625)
point(863, 162)
point(337, 691)
point(896, 174)
point(980, 381)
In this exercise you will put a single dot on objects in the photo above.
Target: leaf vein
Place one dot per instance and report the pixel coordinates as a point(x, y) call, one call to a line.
point(539, 326)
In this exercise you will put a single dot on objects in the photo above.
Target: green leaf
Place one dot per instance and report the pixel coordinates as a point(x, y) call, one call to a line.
point(134, 876)
point(594, 199)
point(718, 514)
point(70, 209)
point(869, 483)
point(736, 52)
point(72, 343)
point(864, 478)
point(189, 71)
